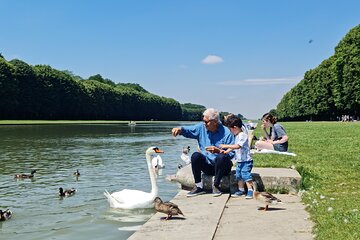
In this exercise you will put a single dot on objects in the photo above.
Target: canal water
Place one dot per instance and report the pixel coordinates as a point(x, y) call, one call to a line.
point(108, 156)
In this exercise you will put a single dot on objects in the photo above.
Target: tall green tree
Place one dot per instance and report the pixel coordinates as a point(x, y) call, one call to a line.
point(331, 89)
point(8, 90)
point(28, 97)
point(42, 92)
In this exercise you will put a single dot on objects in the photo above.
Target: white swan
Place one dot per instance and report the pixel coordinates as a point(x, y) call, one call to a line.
point(157, 162)
point(185, 155)
point(130, 199)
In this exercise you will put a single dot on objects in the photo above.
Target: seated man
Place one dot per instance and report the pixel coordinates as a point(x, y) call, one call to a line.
point(209, 134)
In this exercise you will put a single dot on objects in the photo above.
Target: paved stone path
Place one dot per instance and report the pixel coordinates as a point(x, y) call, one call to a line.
point(220, 218)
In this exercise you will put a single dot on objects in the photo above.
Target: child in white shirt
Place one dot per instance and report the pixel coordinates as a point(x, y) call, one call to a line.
point(244, 161)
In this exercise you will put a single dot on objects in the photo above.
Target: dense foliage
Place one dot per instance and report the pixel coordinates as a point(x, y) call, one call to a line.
point(330, 90)
point(192, 112)
point(41, 92)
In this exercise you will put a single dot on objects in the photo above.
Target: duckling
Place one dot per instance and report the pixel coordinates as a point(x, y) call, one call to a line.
point(5, 215)
point(67, 192)
point(267, 198)
point(22, 175)
point(77, 173)
point(168, 208)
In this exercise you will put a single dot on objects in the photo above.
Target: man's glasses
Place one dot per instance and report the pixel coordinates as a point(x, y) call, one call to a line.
point(208, 121)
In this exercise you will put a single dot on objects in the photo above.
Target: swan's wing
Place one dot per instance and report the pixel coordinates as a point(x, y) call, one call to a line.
point(129, 195)
point(112, 201)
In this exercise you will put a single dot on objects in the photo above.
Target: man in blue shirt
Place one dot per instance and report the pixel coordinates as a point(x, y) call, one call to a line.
point(209, 135)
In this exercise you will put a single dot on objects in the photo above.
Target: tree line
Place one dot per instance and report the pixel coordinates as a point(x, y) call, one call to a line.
point(330, 90)
point(42, 92)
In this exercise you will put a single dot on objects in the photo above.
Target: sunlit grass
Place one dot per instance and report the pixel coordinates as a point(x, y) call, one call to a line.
point(329, 161)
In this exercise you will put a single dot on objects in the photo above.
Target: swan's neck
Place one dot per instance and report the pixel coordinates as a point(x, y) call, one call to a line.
point(154, 188)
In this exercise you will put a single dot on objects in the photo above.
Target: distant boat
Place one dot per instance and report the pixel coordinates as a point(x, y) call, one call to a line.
point(132, 123)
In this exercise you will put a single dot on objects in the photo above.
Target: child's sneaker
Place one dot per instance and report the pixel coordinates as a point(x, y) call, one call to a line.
point(249, 194)
point(238, 194)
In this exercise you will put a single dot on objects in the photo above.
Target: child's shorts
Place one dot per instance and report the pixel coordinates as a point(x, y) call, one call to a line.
point(243, 171)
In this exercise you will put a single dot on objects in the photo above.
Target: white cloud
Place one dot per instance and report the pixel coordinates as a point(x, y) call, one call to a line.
point(262, 81)
point(212, 59)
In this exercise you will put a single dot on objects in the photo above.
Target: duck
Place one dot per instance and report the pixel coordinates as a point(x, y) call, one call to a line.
point(266, 198)
point(157, 162)
point(133, 199)
point(67, 192)
point(168, 208)
point(5, 215)
point(23, 175)
point(77, 173)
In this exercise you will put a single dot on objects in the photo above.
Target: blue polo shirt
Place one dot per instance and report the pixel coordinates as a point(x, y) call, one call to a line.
point(206, 138)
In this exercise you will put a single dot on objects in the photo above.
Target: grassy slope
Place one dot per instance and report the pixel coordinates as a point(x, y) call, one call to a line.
point(328, 158)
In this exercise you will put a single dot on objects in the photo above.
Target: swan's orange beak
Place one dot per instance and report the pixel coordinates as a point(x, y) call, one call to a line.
point(157, 150)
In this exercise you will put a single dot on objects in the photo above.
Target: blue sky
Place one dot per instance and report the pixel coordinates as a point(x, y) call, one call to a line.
point(236, 56)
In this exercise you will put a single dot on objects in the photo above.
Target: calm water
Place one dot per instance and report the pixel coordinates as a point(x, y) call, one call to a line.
point(108, 157)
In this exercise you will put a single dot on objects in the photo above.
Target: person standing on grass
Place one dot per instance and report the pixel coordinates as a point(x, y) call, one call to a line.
point(276, 139)
point(244, 162)
point(209, 135)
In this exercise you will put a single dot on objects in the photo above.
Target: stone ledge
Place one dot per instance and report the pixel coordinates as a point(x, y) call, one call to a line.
point(265, 178)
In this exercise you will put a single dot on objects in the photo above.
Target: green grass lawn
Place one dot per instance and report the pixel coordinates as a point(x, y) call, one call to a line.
point(328, 159)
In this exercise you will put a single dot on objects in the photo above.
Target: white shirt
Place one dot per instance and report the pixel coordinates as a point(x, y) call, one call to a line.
point(242, 154)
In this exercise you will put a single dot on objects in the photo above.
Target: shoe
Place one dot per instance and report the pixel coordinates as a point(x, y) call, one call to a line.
point(196, 191)
point(249, 194)
point(216, 192)
point(238, 194)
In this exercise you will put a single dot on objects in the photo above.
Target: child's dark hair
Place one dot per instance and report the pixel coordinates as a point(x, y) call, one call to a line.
point(232, 121)
point(269, 117)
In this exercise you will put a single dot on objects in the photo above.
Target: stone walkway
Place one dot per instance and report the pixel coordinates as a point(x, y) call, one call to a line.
point(220, 218)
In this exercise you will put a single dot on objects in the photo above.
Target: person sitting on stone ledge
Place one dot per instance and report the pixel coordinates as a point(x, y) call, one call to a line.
point(209, 134)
